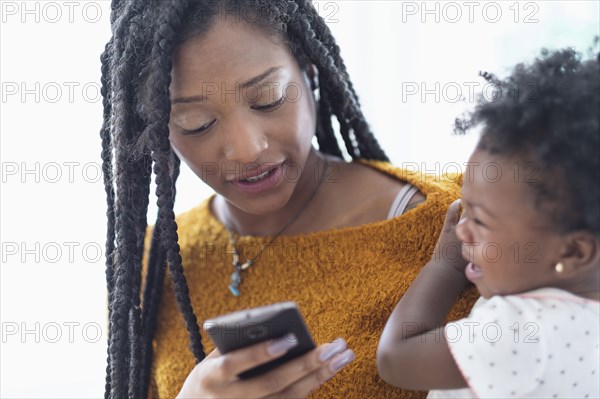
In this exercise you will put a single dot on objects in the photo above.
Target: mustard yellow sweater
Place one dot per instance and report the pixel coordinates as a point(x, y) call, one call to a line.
point(345, 281)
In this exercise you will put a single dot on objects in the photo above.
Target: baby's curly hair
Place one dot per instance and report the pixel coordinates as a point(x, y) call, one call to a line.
point(548, 113)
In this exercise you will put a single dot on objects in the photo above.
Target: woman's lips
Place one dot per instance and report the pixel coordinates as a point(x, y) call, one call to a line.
point(260, 182)
point(473, 272)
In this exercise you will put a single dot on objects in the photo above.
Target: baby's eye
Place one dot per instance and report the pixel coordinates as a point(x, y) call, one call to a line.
point(478, 222)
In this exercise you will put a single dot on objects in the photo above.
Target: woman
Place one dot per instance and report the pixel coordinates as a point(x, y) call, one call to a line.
point(238, 90)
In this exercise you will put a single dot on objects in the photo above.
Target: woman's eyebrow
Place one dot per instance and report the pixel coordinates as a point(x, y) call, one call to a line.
point(245, 85)
point(192, 99)
point(259, 78)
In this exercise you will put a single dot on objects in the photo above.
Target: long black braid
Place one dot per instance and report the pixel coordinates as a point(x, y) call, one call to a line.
point(136, 75)
point(158, 131)
point(110, 194)
point(310, 31)
point(107, 162)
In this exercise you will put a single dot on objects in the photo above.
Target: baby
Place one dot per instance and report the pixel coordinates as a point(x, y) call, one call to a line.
point(529, 237)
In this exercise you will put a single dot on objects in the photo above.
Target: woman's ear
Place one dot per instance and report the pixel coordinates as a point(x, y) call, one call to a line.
point(581, 253)
point(313, 76)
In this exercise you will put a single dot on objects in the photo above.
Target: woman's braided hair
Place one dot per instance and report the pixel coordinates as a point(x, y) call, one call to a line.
point(136, 75)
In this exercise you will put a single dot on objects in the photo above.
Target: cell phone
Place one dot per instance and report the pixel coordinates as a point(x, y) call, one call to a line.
point(248, 327)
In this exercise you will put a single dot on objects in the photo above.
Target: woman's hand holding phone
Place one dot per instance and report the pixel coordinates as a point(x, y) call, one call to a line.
point(217, 375)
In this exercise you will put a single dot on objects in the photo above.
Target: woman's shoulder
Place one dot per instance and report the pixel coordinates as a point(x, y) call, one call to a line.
point(377, 176)
point(410, 173)
point(369, 189)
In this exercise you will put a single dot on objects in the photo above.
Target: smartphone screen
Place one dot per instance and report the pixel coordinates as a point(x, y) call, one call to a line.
point(248, 327)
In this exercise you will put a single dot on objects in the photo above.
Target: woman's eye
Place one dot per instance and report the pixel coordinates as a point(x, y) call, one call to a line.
point(199, 130)
point(269, 107)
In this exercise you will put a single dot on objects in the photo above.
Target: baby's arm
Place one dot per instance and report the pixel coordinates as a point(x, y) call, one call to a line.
point(412, 352)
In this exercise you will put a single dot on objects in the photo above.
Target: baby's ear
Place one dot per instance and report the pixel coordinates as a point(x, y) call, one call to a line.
point(581, 253)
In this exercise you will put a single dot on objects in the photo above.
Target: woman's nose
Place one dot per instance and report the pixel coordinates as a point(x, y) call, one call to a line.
point(244, 143)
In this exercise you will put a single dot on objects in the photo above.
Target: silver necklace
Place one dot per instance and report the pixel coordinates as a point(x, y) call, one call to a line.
point(236, 276)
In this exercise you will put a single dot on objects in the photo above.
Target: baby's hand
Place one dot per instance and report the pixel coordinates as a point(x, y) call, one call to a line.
point(448, 249)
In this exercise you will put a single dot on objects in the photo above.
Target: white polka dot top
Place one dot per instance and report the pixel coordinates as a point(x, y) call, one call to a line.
point(539, 344)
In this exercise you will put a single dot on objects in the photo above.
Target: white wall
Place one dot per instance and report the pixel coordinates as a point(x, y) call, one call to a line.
point(52, 199)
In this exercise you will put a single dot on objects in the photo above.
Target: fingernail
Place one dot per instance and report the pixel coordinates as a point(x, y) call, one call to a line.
point(282, 344)
point(343, 360)
point(333, 349)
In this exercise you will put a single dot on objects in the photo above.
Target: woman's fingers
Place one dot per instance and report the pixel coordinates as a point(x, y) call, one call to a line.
point(216, 376)
point(238, 361)
point(305, 385)
point(214, 353)
point(304, 373)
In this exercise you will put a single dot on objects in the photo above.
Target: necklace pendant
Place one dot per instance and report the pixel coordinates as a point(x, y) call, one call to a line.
point(236, 276)
point(234, 290)
point(236, 279)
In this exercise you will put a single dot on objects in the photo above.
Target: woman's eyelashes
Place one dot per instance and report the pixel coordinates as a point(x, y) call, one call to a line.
point(270, 107)
point(201, 129)
point(258, 107)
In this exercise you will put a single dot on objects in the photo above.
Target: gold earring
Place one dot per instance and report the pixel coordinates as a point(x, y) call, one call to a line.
point(559, 267)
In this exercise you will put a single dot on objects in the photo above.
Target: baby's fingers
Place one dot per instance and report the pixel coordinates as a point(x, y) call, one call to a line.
point(452, 215)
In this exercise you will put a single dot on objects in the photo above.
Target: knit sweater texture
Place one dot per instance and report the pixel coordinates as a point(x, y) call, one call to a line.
point(346, 282)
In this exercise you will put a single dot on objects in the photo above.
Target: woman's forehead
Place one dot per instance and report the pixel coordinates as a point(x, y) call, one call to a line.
point(228, 51)
point(234, 38)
